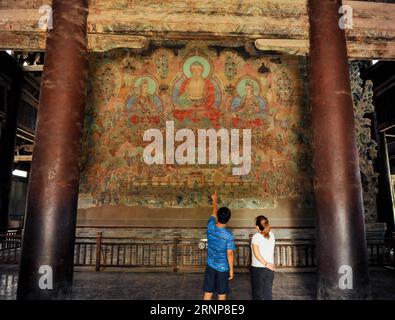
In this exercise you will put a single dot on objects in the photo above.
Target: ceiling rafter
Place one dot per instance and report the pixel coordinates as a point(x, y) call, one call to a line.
point(274, 24)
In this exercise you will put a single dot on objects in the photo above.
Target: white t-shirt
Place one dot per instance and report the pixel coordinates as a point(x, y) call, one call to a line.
point(266, 249)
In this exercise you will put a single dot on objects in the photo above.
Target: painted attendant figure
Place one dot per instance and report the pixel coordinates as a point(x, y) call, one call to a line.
point(143, 100)
point(249, 101)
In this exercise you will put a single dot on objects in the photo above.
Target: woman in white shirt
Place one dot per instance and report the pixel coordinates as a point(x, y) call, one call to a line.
point(262, 264)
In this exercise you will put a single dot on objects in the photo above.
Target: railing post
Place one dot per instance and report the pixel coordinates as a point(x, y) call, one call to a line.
point(175, 253)
point(98, 249)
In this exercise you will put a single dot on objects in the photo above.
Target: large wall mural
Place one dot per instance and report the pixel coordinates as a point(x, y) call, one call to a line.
point(196, 87)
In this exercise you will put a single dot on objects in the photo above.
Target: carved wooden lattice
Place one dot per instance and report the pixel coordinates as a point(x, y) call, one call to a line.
point(362, 94)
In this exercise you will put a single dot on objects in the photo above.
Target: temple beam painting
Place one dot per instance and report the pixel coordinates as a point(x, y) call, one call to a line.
point(274, 25)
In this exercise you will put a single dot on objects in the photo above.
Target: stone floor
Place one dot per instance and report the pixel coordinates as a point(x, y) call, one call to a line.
point(151, 286)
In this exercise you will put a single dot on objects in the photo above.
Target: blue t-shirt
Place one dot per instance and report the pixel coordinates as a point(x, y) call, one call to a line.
point(219, 241)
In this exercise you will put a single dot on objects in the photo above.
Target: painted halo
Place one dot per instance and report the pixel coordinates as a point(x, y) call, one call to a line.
point(186, 66)
point(152, 85)
point(241, 86)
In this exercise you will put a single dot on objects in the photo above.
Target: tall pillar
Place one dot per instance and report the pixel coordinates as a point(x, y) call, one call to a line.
point(46, 268)
point(11, 79)
point(342, 253)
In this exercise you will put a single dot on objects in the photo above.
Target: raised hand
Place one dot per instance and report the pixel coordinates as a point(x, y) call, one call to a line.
point(214, 197)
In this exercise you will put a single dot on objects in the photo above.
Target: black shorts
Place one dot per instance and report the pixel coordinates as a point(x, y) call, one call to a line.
point(216, 281)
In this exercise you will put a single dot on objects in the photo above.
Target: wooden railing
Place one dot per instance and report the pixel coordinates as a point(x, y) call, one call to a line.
point(10, 247)
point(183, 253)
point(379, 252)
point(179, 253)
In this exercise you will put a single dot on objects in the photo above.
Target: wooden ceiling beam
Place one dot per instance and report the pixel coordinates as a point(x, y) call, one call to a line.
point(273, 24)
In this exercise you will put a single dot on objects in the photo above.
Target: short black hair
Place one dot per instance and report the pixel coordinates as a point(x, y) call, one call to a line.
point(223, 215)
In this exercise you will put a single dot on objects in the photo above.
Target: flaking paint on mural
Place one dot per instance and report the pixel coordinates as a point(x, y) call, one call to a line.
point(196, 87)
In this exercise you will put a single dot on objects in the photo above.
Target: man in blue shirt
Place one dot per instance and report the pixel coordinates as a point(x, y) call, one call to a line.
point(219, 268)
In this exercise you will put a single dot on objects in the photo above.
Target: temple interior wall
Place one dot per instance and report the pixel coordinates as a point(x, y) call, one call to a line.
point(195, 87)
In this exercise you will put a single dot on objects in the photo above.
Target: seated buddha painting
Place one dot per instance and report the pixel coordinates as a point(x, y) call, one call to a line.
point(196, 88)
point(144, 97)
point(248, 99)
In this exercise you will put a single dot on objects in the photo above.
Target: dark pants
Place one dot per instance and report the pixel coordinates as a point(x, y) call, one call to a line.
point(216, 281)
point(261, 283)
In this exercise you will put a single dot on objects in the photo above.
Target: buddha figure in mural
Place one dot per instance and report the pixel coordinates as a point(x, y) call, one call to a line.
point(144, 98)
point(196, 89)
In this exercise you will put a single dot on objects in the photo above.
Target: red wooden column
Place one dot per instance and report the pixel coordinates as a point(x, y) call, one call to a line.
point(337, 182)
point(46, 268)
